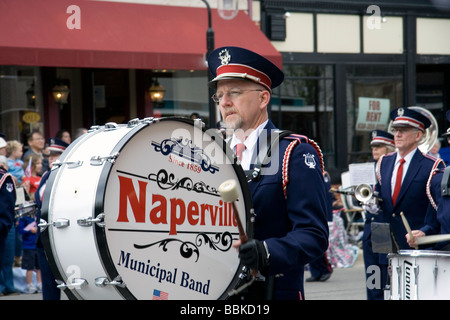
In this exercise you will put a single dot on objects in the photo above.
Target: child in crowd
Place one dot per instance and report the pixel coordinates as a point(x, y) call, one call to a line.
point(32, 167)
point(28, 229)
point(14, 152)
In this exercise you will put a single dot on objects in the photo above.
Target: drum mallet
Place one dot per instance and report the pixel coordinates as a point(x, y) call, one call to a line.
point(229, 193)
point(407, 227)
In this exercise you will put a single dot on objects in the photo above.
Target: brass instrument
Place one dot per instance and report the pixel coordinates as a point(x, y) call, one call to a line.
point(363, 193)
point(430, 135)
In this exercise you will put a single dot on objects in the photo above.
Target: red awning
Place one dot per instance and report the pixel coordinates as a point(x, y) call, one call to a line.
point(119, 35)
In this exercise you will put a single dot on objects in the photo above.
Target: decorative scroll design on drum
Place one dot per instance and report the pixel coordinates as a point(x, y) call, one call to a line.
point(222, 241)
point(168, 181)
point(186, 149)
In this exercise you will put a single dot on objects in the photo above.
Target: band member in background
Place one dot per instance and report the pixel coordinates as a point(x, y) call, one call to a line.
point(382, 143)
point(438, 191)
point(49, 289)
point(7, 211)
point(401, 181)
point(290, 227)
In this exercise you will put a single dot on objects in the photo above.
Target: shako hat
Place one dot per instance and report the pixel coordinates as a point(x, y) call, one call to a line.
point(382, 137)
point(406, 117)
point(239, 63)
point(57, 145)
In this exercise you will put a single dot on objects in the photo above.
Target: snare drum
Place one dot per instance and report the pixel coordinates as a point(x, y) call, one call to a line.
point(134, 212)
point(420, 275)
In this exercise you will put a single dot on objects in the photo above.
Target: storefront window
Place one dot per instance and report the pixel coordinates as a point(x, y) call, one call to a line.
point(20, 102)
point(306, 105)
point(372, 92)
point(186, 92)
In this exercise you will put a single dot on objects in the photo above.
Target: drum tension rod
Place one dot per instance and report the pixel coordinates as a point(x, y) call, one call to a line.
point(77, 283)
point(87, 222)
point(58, 223)
point(98, 160)
point(70, 164)
point(102, 282)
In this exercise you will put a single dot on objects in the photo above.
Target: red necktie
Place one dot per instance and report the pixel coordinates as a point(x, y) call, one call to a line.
point(398, 181)
point(240, 147)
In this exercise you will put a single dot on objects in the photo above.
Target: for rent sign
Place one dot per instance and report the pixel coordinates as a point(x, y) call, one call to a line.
point(373, 114)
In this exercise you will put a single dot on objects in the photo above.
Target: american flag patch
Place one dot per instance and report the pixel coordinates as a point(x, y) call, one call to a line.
point(160, 295)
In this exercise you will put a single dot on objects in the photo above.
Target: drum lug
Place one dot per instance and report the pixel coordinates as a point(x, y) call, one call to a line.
point(87, 222)
point(102, 282)
point(435, 269)
point(77, 283)
point(58, 223)
point(70, 164)
point(98, 161)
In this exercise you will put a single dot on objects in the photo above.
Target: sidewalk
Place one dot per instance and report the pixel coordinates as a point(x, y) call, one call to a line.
point(344, 284)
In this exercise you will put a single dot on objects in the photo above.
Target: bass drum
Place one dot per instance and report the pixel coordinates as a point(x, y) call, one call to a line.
point(134, 212)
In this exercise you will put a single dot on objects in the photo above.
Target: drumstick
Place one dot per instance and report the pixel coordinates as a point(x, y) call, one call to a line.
point(433, 238)
point(229, 193)
point(405, 222)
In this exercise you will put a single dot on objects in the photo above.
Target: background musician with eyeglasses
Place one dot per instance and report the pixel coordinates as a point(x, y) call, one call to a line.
point(401, 181)
point(290, 227)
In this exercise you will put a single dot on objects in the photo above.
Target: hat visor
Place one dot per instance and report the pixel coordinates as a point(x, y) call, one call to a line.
point(405, 125)
point(213, 82)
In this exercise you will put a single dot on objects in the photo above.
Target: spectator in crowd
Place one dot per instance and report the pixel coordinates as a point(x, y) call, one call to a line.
point(36, 144)
point(14, 150)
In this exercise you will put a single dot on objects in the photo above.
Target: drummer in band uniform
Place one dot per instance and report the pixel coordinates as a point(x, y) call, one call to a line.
point(439, 195)
point(407, 193)
point(290, 227)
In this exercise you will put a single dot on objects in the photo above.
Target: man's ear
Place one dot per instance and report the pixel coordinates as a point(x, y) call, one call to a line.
point(264, 98)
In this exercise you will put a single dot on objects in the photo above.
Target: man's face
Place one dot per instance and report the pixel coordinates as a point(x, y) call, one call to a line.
point(378, 150)
point(37, 141)
point(406, 138)
point(241, 103)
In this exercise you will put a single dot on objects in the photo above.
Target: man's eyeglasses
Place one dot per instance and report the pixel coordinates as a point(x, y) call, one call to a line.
point(233, 94)
point(403, 130)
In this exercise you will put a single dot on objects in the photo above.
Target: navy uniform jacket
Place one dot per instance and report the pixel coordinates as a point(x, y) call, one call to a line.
point(442, 204)
point(7, 204)
point(294, 228)
point(412, 200)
